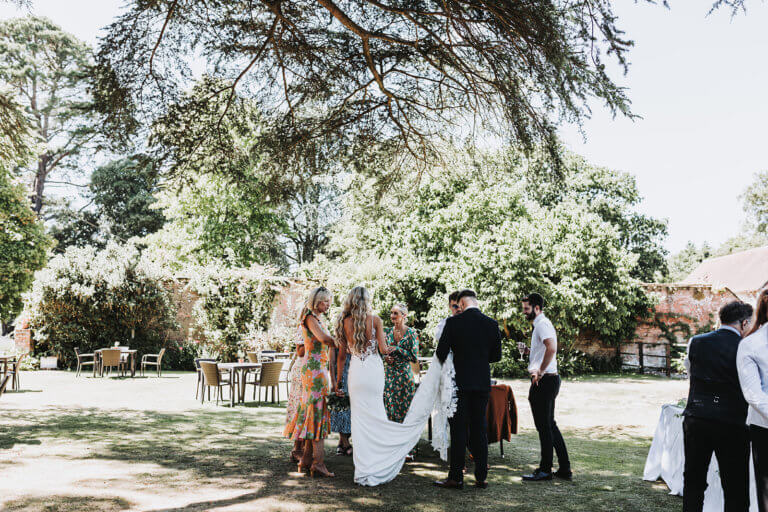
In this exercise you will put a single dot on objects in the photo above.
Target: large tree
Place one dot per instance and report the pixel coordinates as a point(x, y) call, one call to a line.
point(23, 246)
point(46, 67)
point(756, 202)
point(407, 71)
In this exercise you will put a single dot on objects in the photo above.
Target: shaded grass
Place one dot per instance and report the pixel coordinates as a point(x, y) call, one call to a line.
point(242, 450)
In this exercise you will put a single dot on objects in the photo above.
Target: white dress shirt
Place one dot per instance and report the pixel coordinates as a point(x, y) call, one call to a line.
point(542, 330)
point(752, 365)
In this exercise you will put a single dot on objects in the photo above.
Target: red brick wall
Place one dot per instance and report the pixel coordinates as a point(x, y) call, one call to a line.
point(23, 339)
point(683, 309)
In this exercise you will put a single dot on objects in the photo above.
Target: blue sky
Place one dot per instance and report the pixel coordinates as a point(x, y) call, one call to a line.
point(699, 82)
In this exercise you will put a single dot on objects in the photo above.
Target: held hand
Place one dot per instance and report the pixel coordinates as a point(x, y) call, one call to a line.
point(339, 392)
point(389, 349)
point(389, 359)
point(535, 376)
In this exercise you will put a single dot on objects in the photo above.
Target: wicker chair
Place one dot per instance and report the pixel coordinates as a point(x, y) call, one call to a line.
point(146, 360)
point(15, 369)
point(212, 377)
point(4, 383)
point(285, 375)
point(269, 378)
point(253, 357)
point(111, 358)
point(200, 374)
point(82, 360)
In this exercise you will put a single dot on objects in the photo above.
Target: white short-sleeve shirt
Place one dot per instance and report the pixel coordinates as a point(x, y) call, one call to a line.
point(542, 330)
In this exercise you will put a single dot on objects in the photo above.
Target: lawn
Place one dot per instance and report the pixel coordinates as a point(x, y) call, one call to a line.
point(112, 444)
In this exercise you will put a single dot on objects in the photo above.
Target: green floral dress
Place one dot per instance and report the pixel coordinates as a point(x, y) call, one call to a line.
point(399, 385)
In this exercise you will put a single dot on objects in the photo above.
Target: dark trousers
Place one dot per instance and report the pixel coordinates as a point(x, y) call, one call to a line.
point(542, 398)
point(730, 443)
point(470, 421)
point(759, 438)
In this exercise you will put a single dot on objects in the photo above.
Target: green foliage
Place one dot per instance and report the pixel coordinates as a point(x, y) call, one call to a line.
point(756, 202)
point(47, 68)
point(73, 228)
point(123, 191)
point(90, 299)
point(405, 73)
point(489, 224)
point(569, 363)
point(685, 261)
point(234, 307)
point(23, 245)
point(181, 355)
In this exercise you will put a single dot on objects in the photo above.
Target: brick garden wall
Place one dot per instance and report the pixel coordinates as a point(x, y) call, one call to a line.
point(681, 311)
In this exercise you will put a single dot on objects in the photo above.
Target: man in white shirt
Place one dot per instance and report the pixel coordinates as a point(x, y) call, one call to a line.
point(545, 385)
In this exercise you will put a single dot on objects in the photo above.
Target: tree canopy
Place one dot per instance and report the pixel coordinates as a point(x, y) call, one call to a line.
point(47, 67)
point(489, 223)
point(404, 71)
point(23, 245)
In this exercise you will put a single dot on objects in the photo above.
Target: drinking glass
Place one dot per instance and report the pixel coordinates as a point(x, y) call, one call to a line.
point(521, 348)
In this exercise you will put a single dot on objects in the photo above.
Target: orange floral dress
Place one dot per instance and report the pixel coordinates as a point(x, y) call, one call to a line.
point(312, 420)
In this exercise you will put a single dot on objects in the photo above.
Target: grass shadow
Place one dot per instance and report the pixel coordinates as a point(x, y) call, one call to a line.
point(242, 449)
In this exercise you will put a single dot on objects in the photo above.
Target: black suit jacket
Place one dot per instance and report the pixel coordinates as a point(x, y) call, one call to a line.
point(714, 391)
point(475, 341)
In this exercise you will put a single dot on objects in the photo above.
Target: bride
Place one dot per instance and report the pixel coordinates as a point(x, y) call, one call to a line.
point(382, 445)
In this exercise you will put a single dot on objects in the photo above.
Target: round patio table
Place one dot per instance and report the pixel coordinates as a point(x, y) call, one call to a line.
point(242, 369)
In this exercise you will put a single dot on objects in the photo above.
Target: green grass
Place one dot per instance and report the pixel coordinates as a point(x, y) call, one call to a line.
point(241, 447)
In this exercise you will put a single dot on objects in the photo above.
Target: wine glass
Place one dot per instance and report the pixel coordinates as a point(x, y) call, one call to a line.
point(521, 348)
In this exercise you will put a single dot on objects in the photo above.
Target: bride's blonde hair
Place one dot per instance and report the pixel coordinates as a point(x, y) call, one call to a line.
point(358, 306)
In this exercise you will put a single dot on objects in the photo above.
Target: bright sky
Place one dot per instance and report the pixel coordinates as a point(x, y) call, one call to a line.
point(698, 82)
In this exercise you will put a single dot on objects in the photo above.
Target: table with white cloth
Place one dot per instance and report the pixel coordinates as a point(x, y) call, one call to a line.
point(666, 460)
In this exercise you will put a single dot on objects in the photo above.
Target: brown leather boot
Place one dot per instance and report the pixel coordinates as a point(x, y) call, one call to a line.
point(306, 457)
point(318, 456)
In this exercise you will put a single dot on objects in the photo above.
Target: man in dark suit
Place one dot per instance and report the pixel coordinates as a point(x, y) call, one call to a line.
point(716, 413)
point(475, 341)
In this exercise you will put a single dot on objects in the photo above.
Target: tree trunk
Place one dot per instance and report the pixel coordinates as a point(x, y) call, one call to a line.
point(39, 184)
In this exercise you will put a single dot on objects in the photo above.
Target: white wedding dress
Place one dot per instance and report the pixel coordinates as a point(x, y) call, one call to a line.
point(380, 445)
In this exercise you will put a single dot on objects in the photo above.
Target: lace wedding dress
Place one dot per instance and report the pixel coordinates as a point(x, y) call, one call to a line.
point(380, 445)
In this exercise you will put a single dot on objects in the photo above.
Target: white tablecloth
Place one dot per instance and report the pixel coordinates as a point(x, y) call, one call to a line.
point(666, 459)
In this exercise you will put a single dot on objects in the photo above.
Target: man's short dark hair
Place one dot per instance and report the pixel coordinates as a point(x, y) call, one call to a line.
point(466, 292)
point(454, 296)
point(534, 299)
point(736, 311)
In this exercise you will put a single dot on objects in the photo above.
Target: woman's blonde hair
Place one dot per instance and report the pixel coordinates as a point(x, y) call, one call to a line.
point(403, 309)
point(358, 306)
point(319, 294)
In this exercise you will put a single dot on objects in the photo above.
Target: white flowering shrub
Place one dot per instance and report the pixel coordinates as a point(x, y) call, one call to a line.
point(90, 299)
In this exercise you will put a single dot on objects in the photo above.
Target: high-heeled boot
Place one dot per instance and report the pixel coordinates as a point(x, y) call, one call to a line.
point(306, 457)
point(318, 457)
point(297, 452)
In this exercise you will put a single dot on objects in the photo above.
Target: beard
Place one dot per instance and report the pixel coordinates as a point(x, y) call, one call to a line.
point(530, 316)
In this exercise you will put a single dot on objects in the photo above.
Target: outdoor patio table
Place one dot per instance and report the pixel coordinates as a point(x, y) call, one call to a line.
point(242, 369)
point(131, 355)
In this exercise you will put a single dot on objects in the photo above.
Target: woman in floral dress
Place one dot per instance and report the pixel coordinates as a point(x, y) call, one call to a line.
point(399, 385)
point(341, 419)
point(312, 424)
point(294, 396)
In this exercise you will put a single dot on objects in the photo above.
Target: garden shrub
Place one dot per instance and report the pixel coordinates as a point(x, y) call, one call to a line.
point(234, 307)
point(90, 299)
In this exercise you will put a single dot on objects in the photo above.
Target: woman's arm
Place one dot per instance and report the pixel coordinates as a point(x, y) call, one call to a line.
point(749, 378)
point(319, 331)
point(380, 338)
point(341, 358)
point(409, 347)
